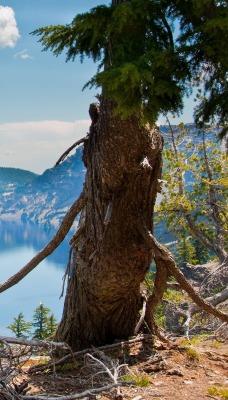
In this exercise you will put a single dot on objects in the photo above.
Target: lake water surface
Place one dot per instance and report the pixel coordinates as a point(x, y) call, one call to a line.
point(19, 242)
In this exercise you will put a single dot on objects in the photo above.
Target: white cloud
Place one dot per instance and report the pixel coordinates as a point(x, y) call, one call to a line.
point(23, 55)
point(37, 145)
point(9, 33)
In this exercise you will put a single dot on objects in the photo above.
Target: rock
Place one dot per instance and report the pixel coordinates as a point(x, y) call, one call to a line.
point(175, 372)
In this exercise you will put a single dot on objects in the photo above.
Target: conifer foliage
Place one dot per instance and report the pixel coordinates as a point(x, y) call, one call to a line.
point(151, 53)
point(194, 193)
point(43, 325)
point(20, 327)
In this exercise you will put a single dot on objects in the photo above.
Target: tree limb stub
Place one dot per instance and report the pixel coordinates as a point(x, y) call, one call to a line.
point(163, 255)
point(51, 246)
point(63, 156)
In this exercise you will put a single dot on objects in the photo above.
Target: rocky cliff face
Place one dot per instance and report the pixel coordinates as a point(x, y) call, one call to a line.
point(48, 197)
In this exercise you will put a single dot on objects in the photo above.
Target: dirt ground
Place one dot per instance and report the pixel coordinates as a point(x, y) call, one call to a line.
point(179, 370)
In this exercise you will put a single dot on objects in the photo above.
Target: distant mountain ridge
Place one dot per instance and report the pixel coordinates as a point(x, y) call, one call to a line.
point(16, 176)
point(46, 198)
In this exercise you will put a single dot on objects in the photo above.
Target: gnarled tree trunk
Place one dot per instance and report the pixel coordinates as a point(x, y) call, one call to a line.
point(111, 258)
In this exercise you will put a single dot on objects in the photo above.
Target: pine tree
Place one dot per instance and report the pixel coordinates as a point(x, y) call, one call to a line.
point(184, 252)
point(40, 321)
point(51, 325)
point(202, 254)
point(195, 204)
point(20, 328)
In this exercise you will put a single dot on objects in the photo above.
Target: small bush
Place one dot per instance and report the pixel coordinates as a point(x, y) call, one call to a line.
point(192, 354)
point(159, 316)
point(218, 391)
point(138, 379)
point(174, 296)
point(216, 344)
point(195, 340)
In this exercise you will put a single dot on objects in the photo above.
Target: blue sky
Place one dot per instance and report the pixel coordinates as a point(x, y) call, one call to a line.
point(42, 107)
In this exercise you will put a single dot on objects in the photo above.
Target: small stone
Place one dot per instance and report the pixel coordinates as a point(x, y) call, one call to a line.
point(188, 382)
point(158, 383)
point(160, 346)
point(175, 372)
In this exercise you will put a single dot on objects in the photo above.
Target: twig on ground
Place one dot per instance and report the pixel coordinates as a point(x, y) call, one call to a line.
point(32, 343)
point(86, 393)
point(110, 369)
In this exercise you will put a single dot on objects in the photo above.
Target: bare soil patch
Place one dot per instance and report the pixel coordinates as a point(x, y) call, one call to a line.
point(177, 371)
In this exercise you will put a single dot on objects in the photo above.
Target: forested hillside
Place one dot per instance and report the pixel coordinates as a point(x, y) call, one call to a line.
point(46, 198)
point(16, 176)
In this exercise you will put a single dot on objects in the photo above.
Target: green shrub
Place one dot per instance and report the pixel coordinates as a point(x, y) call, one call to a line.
point(138, 379)
point(218, 391)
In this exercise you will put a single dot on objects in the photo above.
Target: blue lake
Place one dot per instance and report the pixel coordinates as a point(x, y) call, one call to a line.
point(19, 242)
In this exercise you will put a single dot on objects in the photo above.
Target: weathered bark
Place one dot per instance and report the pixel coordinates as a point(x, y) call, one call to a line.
point(111, 258)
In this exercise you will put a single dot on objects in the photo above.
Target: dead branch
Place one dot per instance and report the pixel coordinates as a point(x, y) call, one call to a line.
point(214, 300)
point(110, 369)
point(67, 272)
point(41, 367)
point(201, 303)
point(63, 156)
point(11, 359)
point(173, 285)
point(33, 343)
point(162, 256)
point(194, 308)
point(51, 246)
point(80, 231)
point(14, 353)
point(86, 393)
point(218, 277)
point(107, 369)
point(142, 317)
